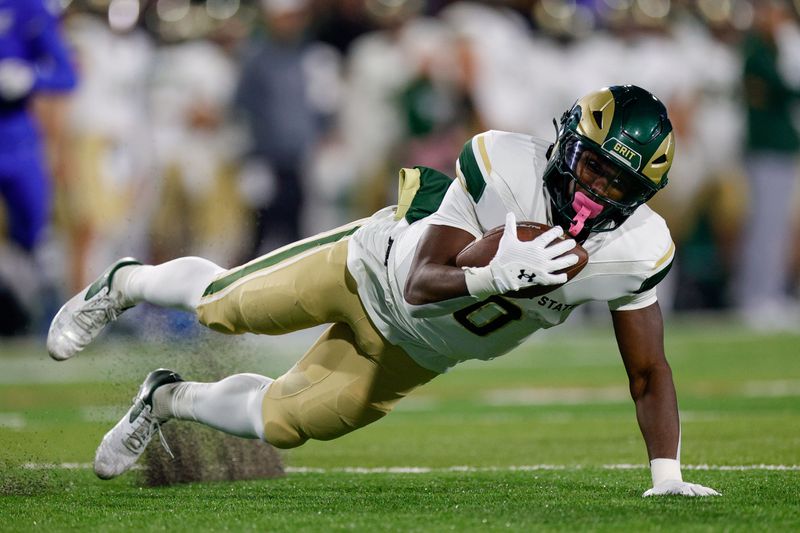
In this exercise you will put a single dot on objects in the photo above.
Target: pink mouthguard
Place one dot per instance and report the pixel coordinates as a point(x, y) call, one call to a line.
point(585, 208)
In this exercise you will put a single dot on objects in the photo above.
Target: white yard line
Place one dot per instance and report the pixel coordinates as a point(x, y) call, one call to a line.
point(556, 396)
point(102, 413)
point(778, 388)
point(12, 421)
point(428, 470)
point(56, 466)
point(522, 468)
point(772, 388)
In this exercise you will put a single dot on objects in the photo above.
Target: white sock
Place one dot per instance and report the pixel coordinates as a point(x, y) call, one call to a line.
point(232, 405)
point(178, 284)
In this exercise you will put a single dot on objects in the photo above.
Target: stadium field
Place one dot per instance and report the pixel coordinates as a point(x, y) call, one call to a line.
point(544, 438)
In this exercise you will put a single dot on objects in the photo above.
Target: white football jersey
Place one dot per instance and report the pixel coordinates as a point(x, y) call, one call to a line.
point(498, 172)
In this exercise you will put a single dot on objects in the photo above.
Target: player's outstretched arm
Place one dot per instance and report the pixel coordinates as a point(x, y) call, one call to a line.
point(640, 336)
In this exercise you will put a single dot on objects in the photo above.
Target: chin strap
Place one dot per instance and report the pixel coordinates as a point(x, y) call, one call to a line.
point(585, 208)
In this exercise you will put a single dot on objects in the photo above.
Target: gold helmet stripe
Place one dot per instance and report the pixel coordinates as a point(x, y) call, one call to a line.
point(659, 164)
point(597, 113)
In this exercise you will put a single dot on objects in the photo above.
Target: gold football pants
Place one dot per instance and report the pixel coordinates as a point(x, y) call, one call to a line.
point(350, 377)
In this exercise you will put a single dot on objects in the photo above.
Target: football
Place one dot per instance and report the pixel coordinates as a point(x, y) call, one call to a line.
point(480, 252)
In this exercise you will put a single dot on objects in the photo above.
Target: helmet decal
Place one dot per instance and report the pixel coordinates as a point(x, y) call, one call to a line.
point(656, 169)
point(614, 147)
point(596, 115)
point(623, 152)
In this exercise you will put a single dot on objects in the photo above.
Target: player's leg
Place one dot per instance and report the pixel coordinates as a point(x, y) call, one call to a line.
point(27, 195)
point(24, 187)
point(334, 389)
point(296, 287)
point(245, 295)
point(351, 360)
point(178, 284)
point(351, 376)
point(764, 266)
point(232, 405)
point(337, 388)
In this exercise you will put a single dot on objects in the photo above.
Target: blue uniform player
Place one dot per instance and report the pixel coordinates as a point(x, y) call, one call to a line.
point(33, 59)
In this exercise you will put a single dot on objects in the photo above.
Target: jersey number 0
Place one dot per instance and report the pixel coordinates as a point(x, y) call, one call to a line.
point(487, 316)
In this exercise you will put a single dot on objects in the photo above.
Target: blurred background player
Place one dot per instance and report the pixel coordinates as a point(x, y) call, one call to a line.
point(33, 61)
point(408, 98)
point(198, 147)
point(110, 145)
point(771, 90)
point(275, 102)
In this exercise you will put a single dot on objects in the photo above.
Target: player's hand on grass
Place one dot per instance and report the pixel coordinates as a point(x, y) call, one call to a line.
point(679, 488)
point(518, 264)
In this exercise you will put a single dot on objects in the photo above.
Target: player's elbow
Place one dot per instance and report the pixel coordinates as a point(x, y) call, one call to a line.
point(414, 292)
point(644, 380)
point(418, 301)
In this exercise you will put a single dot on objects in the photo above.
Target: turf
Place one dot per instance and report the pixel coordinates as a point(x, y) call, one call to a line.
point(563, 500)
point(560, 402)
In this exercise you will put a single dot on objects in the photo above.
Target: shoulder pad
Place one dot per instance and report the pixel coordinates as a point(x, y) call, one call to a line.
point(661, 249)
point(660, 271)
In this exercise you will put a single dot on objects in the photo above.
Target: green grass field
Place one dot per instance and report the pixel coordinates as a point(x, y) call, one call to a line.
point(541, 439)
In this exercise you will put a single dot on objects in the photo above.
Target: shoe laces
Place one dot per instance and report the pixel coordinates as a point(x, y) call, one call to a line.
point(143, 431)
point(98, 313)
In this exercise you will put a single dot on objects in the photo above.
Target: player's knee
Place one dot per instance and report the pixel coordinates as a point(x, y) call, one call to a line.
point(220, 322)
point(282, 435)
point(350, 415)
point(356, 414)
point(219, 327)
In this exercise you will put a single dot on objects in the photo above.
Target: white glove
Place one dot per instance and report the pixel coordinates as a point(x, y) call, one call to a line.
point(680, 488)
point(16, 79)
point(518, 264)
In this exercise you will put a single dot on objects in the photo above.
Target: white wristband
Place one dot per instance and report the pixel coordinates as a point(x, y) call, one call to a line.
point(480, 281)
point(664, 470)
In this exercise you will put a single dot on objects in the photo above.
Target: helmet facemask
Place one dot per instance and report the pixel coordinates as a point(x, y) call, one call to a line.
point(589, 192)
point(613, 150)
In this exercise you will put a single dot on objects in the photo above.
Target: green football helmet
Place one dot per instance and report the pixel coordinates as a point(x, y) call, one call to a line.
point(612, 154)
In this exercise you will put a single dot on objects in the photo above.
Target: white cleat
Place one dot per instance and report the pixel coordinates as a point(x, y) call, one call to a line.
point(81, 319)
point(124, 443)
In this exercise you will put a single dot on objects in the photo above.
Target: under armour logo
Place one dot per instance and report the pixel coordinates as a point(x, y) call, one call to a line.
point(528, 277)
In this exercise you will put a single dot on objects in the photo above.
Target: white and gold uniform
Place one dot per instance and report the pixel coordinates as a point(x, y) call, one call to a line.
point(498, 172)
point(379, 347)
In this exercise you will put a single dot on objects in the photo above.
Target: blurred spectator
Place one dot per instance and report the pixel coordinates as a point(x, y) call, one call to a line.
point(771, 51)
point(371, 121)
point(275, 98)
point(437, 102)
point(516, 78)
point(33, 61)
point(197, 147)
point(703, 206)
point(109, 188)
point(408, 99)
point(340, 22)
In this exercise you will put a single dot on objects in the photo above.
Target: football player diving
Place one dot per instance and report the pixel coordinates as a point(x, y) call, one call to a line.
point(401, 312)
